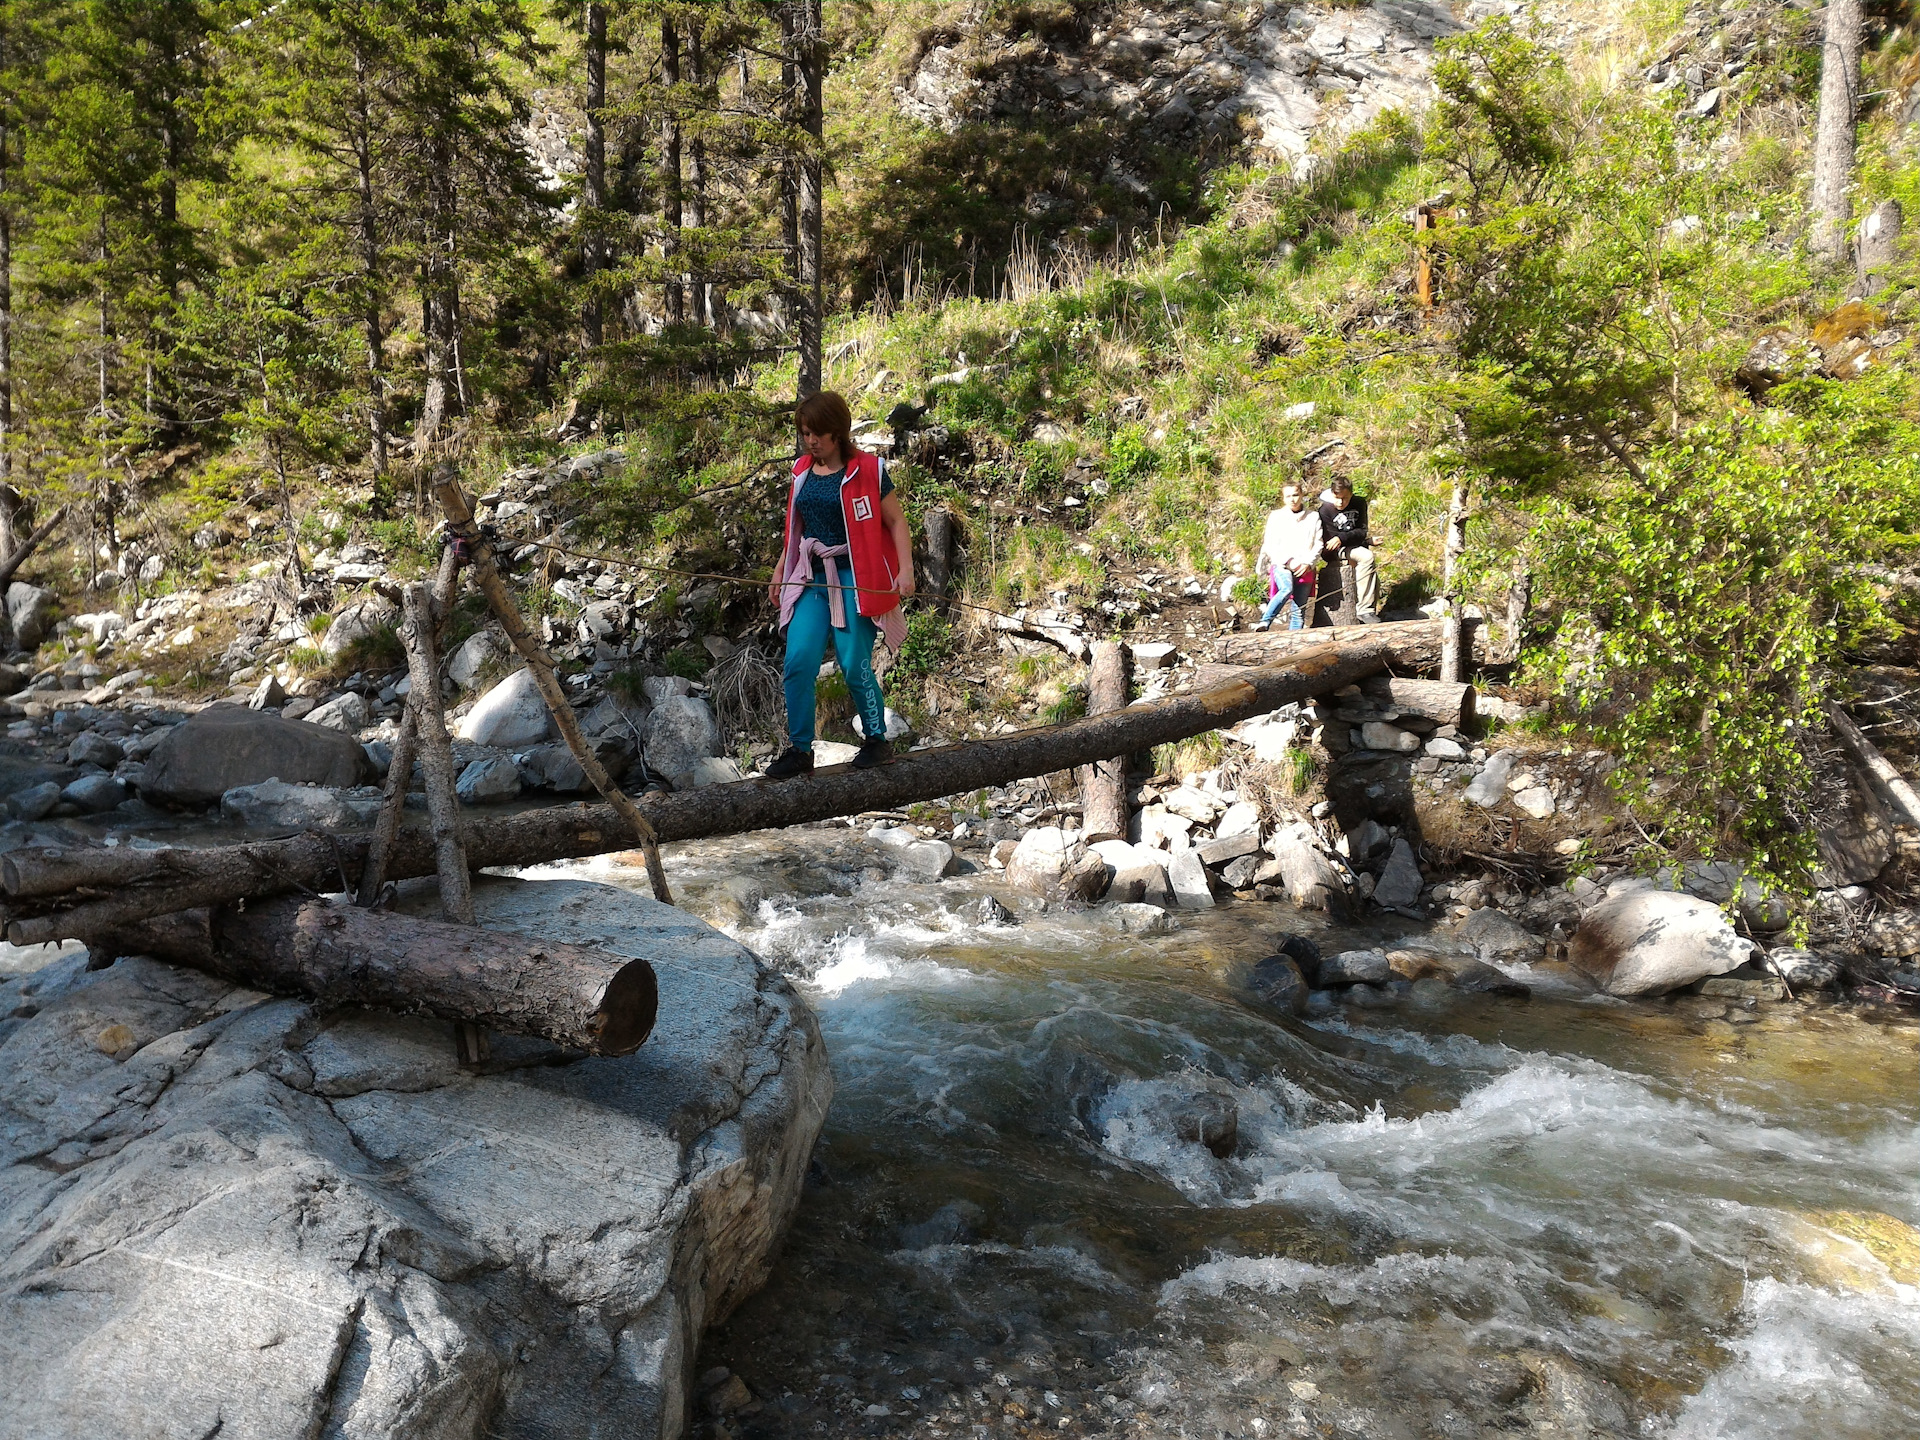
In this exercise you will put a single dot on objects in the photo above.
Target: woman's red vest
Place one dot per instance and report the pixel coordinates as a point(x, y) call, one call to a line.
point(869, 546)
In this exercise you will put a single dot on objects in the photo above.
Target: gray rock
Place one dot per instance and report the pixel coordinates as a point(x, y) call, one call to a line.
point(362, 620)
point(269, 694)
point(1040, 859)
point(1804, 970)
point(36, 802)
point(1210, 1119)
point(276, 804)
point(1277, 981)
point(1312, 882)
point(346, 712)
point(1218, 852)
point(1399, 884)
point(1895, 933)
point(708, 770)
point(1140, 884)
point(95, 793)
point(1646, 942)
point(30, 611)
point(552, 767)
point(1476, 978)
point(1442, 748)
point(929, 859)
point(228, 746)
point(271, 1218)
point(484, 782)
point(1378, 735)
point(1187, 877)
point(1144, 919)
point(615, 714)
point(1489, 788)
point(474, 654)
point(990, 911)
point(1496, 937)
point(512, 713)
point(1239, 873)
point(1354, 967)
point(665, 687)
point(680, 732)
point(1366, 839)
point(94, 749)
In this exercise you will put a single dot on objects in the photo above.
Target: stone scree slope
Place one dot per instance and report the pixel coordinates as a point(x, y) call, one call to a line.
point(225, 1212)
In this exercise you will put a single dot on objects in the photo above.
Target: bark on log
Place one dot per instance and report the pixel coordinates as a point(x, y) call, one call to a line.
point(436, 756)
point(459, 512)
point(1876, 764)
point(154, 882)
point(1441, 701)
point(1413, 645)
point(573, 995)
point(1831, 197)
point(939, 571)
point(1103, 784)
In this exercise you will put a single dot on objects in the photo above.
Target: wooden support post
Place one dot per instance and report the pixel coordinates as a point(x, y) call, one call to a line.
point(1453, 547)
point(1423, 272)
point(1876, 764)
point(459, 512)
point(1345, 611)
point(939, 573)
point(373, 876)
point(1103, 784)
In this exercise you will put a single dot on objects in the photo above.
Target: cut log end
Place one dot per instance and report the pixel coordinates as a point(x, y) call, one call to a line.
point(628, 1009)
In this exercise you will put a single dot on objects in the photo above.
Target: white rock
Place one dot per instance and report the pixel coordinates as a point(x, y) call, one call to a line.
point(1188, 877)
point(833, 752)
point(1441, 748)
point(1242, 817)
point(1157, 827)
point(896, 727)
point(1303, 411)
point(1537, 802)
point(929, 859)
point(1490, 786)
point(1143, 919)
point(662, 687)
point(1194, 804)
point(1040, 858)
point(1311, 880)
point(295, 1193)
point(1155, 656)
point(346, 713)
point(1647, 941)
point(680, 733)
point(1269, 736)
point(511, 713)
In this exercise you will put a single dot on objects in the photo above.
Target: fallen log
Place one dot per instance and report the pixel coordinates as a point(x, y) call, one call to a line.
point(1414, 645)
point(573, 995)
point(1877, 765)
point(143, 883)
point(24, 552)
point(1103, 784)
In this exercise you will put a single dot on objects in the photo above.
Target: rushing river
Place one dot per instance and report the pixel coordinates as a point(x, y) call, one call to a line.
point(1452, 1216)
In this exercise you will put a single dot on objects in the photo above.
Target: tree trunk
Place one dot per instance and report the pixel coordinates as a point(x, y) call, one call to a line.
point(1454, 546)
point(152, 882)
point(675, 296)
point(1519, 604)
point(1411, 644)
point(572, 995)
point(436, 300)
point(697, 176)
point(436, 754)
point(1832, 197)
point(372, 323)
point(26, 548)
point(1103, 784)
point(6, 326)
point(1876, 764)
point(811, 49)
point(939, 571)
point(594, 179)
point(789, 168)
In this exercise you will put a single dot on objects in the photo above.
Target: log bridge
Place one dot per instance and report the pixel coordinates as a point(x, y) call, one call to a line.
point(253, 913)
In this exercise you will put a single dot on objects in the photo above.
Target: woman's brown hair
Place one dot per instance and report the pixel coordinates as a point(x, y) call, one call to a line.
point(825, 412)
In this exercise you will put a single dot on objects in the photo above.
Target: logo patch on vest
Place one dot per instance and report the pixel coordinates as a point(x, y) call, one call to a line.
point(862, 508)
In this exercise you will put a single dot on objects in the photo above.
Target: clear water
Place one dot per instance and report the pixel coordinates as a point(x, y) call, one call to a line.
point(1457, 1217)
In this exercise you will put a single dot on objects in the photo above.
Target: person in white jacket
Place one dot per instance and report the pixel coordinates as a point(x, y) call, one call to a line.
point(1290, 557)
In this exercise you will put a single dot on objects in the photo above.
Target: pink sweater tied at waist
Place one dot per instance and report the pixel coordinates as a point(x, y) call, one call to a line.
point(892, 625)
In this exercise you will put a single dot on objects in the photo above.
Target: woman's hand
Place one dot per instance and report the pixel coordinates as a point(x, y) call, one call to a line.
point(903, 584)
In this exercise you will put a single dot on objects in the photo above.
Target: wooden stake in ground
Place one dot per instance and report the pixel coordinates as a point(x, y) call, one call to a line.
point(373, 876)
point(573, 995)
point(1103, 784)
point(459, 514)
point(1877, 765)
point(56, 894)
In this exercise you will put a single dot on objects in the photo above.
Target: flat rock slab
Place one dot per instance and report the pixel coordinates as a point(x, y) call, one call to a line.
point(227, 1213)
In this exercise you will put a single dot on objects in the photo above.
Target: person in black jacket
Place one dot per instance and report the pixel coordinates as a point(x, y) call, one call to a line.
point(1343, 520)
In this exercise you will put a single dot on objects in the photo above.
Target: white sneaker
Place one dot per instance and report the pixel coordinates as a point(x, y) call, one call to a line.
point(1263, 625)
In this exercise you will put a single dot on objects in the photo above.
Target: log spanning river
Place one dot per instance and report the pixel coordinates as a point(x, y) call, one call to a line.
point(1073, 1183)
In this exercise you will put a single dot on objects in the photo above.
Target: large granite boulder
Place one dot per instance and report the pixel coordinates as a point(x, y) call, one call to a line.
point(1647, 942)
point(30, 612)
point(226, 746)
point(514, 712)
point(680, 733)
point(225, 1213)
